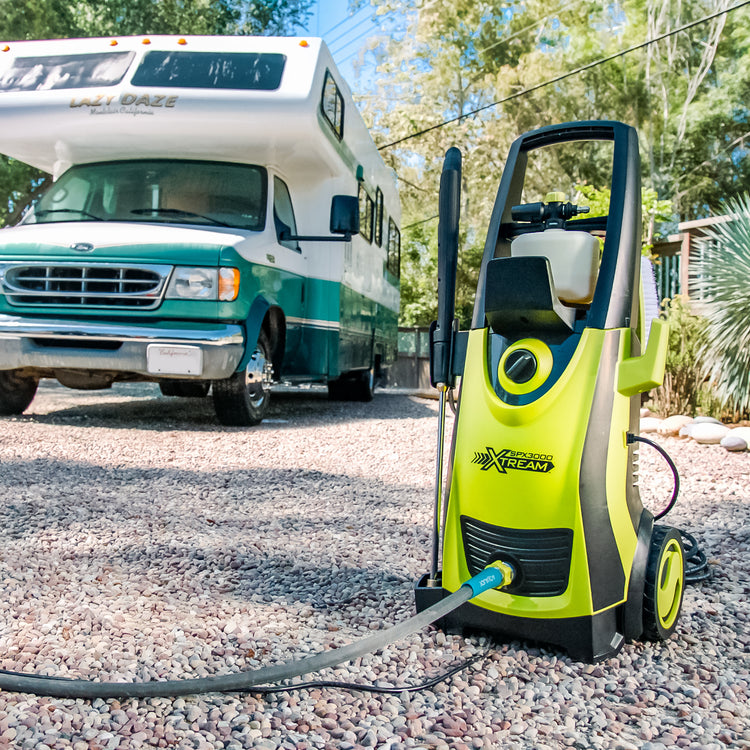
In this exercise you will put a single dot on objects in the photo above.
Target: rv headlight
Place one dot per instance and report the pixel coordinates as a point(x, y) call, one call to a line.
point(193, 283)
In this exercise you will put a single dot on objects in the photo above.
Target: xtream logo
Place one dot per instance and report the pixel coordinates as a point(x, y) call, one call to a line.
point(506, 459)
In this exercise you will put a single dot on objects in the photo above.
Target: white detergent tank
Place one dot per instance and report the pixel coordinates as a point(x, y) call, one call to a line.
point(573, 257)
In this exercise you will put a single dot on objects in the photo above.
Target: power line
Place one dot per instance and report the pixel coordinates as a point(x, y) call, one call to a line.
point(351, 28)
point(536, 23)
point(569, 74)
point(356, 38)
point(343, 20)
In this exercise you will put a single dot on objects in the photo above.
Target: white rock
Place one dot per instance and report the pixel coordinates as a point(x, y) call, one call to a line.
point(708, 433)
point(673, 425)
point(650, 424)
point(741, 432)
point(733, 442)
point(706, 420)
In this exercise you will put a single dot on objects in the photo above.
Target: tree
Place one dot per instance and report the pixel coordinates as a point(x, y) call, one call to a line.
point(458, 56)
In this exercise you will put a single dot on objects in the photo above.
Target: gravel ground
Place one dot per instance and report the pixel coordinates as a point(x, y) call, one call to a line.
point(141, 541)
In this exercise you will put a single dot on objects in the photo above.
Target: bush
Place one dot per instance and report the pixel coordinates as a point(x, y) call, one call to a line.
point(720, 280)
point(685, 389)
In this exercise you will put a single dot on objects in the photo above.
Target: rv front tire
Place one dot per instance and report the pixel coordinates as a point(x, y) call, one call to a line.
point(243, 399)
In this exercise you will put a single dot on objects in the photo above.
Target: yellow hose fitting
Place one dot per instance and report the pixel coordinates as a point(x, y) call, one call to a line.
point(508, 571)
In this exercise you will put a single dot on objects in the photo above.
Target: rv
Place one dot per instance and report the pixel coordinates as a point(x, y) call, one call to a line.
point(218, 218)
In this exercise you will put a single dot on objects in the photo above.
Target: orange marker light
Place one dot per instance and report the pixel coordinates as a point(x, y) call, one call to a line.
point(229, 284)
point(304, 43)
point(6, 48)
point(113, 43)
point(181, 41)
point(146, 41)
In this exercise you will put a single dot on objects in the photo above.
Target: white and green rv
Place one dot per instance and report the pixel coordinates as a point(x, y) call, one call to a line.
point(218, 217)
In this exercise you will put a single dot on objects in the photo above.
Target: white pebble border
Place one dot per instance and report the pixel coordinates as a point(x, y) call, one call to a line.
point(141, 541)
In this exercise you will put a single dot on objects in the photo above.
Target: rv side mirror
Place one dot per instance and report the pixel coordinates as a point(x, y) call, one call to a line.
point(344, 215)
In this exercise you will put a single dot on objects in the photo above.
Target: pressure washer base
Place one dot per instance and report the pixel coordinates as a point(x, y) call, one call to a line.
point(586, 639)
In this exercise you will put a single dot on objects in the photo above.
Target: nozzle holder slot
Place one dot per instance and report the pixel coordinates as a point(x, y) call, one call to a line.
point(520, 298)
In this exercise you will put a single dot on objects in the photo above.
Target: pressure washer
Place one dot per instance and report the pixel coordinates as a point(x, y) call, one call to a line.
point(542, 468)
point(541, 527)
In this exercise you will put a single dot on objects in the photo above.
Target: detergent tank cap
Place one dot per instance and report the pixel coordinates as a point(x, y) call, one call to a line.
point(555, 197)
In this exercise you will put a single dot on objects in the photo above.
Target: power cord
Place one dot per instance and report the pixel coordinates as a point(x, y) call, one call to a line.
point(370, 688)
point(696, 564)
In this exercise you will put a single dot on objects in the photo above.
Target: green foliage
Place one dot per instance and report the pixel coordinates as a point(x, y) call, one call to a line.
point(720, 280)
point(451, 57)
point(652, 209)
point(419, 275)
point(18, 181)
point(52, 19)
point(684, 386)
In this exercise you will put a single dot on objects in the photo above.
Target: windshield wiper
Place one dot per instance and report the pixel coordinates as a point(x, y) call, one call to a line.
point(45, 211)
point(177, 212)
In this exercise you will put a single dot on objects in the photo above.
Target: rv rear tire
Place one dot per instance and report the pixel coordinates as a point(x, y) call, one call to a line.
point(353, 386)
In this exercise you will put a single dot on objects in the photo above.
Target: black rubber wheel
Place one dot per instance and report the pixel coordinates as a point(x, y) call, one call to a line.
point(185, 388)
point(243, 399)
point(16, 392)
point(353, 386)
point(664, 584)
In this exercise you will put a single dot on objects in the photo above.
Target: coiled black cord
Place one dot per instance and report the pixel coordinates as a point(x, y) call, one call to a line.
point(696, 564)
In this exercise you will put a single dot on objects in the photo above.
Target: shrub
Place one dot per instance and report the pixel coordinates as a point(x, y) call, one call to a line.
point(720, 284)
point(684, 388)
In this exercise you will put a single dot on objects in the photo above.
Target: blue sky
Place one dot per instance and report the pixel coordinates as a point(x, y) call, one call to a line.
point(345, 34)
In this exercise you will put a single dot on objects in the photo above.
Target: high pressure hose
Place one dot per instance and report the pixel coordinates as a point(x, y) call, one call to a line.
point(498, 575)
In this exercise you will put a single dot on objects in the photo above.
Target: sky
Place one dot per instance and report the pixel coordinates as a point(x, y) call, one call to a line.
point(346, 35)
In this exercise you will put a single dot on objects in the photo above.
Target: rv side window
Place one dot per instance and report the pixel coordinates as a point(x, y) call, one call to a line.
point(394, 249)
point(332, 105)
point(283, 214)
point(379, 217)
point(366, 210)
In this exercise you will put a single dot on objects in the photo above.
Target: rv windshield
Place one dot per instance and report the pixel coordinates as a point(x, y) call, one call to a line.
point(163, 191)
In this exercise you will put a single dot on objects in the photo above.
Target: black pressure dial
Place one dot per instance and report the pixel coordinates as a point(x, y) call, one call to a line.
point(520, 366)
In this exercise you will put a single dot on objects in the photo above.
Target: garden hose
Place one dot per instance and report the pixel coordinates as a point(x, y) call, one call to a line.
point(497, 575)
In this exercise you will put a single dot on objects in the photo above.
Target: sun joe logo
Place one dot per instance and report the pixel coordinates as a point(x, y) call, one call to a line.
point(506, 459)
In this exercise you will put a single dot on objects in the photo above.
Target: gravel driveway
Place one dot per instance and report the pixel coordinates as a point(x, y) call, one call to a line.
point(142, 541)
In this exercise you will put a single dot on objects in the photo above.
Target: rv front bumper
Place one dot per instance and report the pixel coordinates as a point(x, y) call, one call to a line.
point(173, 351)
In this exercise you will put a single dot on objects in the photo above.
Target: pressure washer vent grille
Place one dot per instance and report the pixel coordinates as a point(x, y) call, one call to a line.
point(542, 558)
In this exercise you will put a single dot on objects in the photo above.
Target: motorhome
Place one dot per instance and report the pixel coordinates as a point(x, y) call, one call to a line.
point(217, 218)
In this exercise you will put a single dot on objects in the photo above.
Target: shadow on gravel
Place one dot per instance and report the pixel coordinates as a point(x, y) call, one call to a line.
point(128, 406)
point(243, 537)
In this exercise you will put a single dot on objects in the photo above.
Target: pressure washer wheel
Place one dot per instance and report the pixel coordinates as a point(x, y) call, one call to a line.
point(664, 584)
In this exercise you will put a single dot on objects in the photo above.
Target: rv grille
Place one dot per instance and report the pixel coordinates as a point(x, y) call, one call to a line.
point(75, 284)
point(541, 557)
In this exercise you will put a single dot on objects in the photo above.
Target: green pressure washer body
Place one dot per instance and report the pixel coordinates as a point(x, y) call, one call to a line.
point(542, 473)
